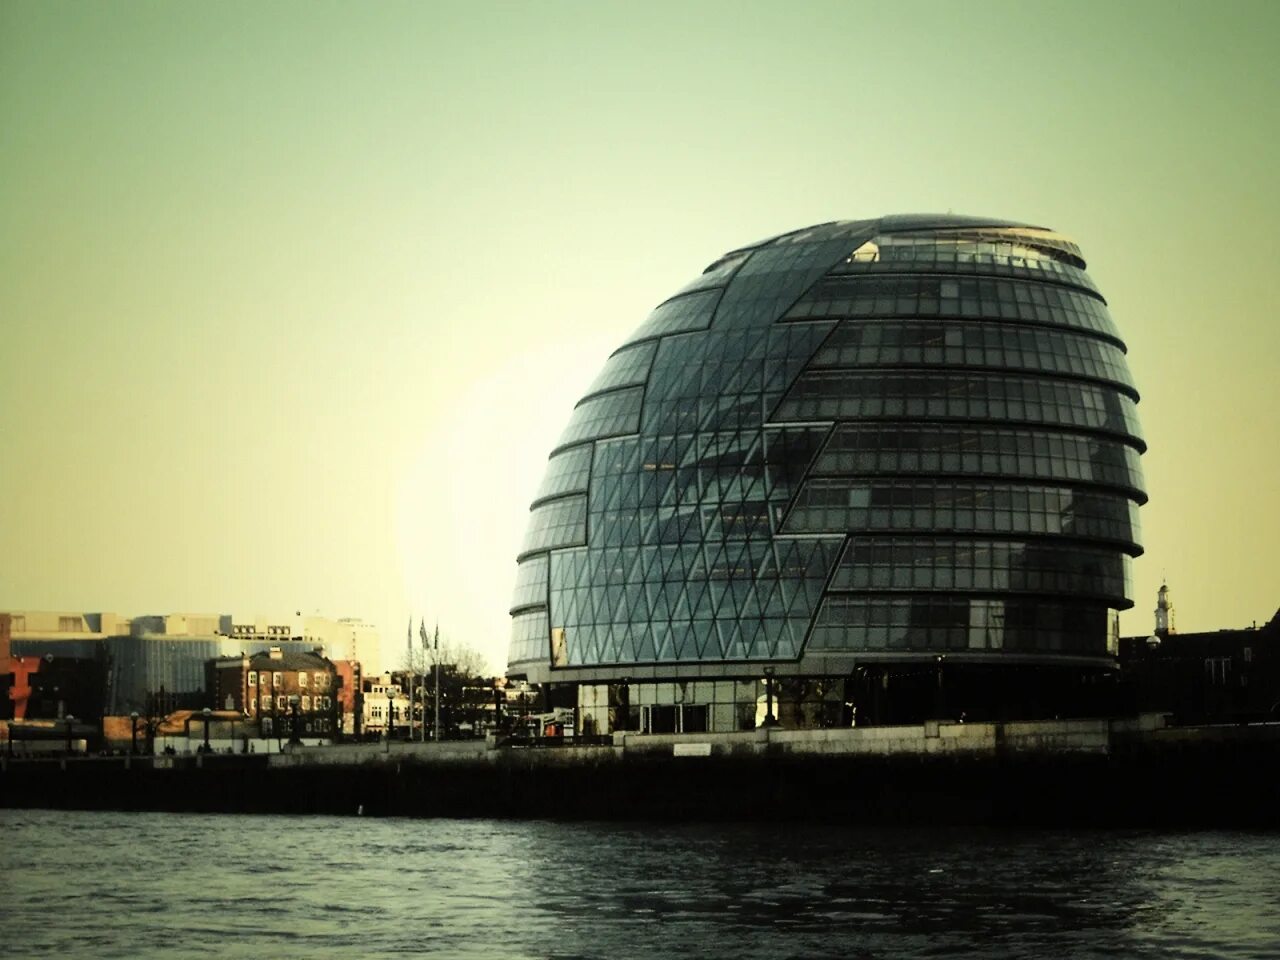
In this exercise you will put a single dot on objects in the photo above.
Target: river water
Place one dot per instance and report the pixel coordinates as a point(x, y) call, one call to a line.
point(100, 885)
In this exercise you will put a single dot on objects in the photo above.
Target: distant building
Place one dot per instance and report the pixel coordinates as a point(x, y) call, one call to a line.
point(347, 638)
point(385, 702)
point(267, 686)
point(350, 696)
point(1216, 676)
point(147, 663)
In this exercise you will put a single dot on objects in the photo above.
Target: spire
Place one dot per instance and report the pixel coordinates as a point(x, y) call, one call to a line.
point(1164, 612)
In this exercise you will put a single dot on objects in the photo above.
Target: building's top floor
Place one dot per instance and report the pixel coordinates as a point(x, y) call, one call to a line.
point(278, 658)
point(349, 637)
point(67, 624)
point(383, 684)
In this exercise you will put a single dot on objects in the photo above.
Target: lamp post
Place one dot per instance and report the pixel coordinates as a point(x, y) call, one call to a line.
point(940, 696)
point(207, 713)
point(294, 738)
point(133, 733)
point(624, 704)
point(435, 729)
point(69, 721)
point(391, 714)
point(769, 719)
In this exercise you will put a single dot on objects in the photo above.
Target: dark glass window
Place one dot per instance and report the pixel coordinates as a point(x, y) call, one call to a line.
point(690, 311)
point(567, 472)
point(626, 368)
point(531, 583)
point(606, 415)
point(958, 343)
point(957, 450)
point(558, 523)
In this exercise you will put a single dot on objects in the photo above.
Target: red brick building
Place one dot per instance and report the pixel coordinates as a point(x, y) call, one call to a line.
point(267, 686)
point(350, 697)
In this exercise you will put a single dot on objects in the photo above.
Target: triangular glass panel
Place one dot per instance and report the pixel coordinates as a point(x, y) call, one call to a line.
point(645, 650)
point(731, 645)
point(663, 642)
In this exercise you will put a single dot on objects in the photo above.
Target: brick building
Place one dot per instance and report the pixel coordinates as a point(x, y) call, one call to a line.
point(267, 686)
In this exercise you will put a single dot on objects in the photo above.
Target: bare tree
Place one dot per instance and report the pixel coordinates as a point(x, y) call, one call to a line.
point(460, 666)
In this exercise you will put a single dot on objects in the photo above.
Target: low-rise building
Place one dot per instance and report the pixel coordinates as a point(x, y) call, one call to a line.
point(277, 686)
point(386, 704)
point(1211, 677)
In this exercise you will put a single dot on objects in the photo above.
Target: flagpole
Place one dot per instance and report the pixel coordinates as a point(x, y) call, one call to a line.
point(436, 731)
point(422, 687)
point(409, 645)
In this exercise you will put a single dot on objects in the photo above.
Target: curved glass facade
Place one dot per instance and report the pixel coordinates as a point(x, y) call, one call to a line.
point(890, 438)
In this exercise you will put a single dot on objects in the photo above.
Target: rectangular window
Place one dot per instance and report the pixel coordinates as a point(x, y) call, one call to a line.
point(277, 679)
point(302, 679)
point(253, 678)
point(306, 703)
point(693, 718)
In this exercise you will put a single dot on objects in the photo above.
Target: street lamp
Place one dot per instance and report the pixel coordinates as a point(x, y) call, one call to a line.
point(769, 719)
point(391, 714)
point(133, 733)
point(207, 713)
point(624, 704)
point(70, 720)
point(294, 739)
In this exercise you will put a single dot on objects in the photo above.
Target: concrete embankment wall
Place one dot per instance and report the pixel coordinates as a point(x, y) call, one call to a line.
point(1080, 772)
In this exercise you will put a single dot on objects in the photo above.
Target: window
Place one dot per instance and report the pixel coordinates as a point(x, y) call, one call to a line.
point(277, 679)
point(693, 718)
point(253, 678)
point(302, 679)
point(306, 702)
point(266, 701)
point(1216, 670)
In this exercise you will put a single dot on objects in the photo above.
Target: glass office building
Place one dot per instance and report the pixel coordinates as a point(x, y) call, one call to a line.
point(882, 469)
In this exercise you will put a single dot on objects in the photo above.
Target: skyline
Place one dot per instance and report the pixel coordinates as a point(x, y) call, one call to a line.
point(298, 298)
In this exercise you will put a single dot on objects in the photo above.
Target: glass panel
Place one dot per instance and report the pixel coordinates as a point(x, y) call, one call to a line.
point(1020, 566)
point(531, 583)
point(559, 523)
point(831, 506)
point(529, 637)
point(627, 367)
point(940, 623)
point(958, 343)
point(567, 472)
point(837, 394)
point(608, 415)
point(691, 311)
point(838, 296)
point(900, 449)
point(1008, 255)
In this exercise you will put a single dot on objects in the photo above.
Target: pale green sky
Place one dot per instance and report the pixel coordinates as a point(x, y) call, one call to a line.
point(296, 297)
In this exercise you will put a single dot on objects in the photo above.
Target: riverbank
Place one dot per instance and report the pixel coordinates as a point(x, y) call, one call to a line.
point(1133, 772)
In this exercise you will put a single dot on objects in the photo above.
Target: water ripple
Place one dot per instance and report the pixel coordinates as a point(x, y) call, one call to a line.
point(89, 885)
